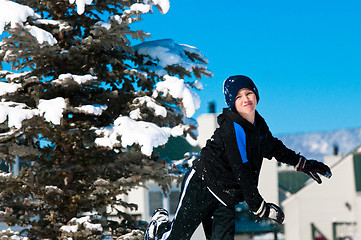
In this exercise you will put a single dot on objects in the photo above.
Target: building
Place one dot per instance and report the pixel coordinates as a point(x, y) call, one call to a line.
point(331, 210)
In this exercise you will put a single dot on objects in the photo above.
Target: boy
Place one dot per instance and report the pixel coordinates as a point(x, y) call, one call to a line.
point(227, 171)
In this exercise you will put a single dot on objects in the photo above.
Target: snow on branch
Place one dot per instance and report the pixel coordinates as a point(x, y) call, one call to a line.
point(5, 175)
point(8, 87)
point(62, 25)
point(41, 35)
point(139, 7)
point(14, 14)
point(163, 5)
point(149, 103)
point(11, 76)
point(80, 5)
point(177, 88)
point(65, 79)
point(147, 135)
point(145, 7)
point(10, 234)
point(95, 109)
point(15, 113)
point(81, 223)
point(52, 109)
point(167, 53)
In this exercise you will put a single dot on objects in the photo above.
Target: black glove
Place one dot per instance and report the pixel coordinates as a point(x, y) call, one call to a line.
point(312, 168)
point(271, 211)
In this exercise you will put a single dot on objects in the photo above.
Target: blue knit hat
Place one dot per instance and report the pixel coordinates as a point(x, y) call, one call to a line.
point(233, 84)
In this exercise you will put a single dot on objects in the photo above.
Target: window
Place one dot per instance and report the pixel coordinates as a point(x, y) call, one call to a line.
point(158, 200)
point(155, 201)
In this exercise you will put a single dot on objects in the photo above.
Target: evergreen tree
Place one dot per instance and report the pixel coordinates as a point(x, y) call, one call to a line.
point(82, 108)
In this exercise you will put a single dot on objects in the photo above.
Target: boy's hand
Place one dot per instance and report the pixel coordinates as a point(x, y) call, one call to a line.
point(312, 168)
point(271, 211)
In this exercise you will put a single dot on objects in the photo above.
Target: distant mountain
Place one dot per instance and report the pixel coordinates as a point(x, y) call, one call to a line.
point(317, 145)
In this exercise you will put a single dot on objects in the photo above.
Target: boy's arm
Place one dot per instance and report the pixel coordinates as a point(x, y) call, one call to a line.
point(273, 147)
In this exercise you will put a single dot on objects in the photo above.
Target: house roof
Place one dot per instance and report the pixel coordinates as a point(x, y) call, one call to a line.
point(357, 160)
point(175, 148)
point(291, 180)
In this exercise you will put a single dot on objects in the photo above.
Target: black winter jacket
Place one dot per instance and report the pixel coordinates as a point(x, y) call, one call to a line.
point(231, 161)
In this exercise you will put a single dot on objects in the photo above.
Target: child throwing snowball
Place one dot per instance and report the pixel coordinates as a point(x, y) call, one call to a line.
point(227, 171)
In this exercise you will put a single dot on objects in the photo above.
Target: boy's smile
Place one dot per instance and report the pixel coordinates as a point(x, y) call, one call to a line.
point(246, 103)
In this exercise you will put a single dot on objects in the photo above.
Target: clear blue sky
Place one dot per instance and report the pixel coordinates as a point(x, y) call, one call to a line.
point(304, 56)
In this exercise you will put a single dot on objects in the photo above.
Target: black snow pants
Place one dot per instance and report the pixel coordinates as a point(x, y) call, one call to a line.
point(197, 204)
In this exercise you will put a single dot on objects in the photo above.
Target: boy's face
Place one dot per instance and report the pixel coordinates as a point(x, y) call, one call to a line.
point(246, 102)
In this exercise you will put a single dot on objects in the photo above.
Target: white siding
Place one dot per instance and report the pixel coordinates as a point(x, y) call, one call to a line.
point(207, 123)
point(268, 181)
point(322, 204)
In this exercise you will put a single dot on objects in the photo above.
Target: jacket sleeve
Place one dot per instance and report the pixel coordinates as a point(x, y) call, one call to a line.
point(235, 150)
point(274, 147)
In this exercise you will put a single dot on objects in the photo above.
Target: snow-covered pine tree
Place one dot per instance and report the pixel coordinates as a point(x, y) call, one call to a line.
point(82, 107)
